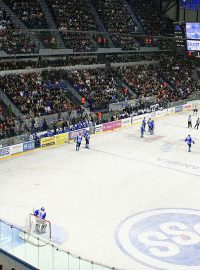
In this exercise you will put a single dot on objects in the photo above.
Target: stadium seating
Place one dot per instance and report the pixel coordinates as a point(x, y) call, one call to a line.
point(115, 16)
point(151, 19)
point(7, 123)
point(177, 71)
point(29, 12)
point(79, 27)
point(13, 40)
point(31, 96)
point(40, 94)
point(76, 16)
point(99, 86)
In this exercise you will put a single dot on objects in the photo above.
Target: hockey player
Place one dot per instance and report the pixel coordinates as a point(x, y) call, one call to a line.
point(152, 127)
point(189, 142)
point(197, 123)
point(87, 139)
point(190, 121)
point(41, 224)
point(144, 122)
point(149, 124)
point(142, 130)
point(40, 213)
point(78, 141)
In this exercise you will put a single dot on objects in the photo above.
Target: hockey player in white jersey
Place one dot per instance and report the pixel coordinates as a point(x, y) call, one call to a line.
point(87, 139)
point(78, 141)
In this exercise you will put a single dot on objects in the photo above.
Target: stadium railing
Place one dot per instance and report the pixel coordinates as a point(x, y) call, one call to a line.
point(15, 241)
point(76, 42)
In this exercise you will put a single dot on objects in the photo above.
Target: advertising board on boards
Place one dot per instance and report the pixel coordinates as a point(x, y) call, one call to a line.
point(112, 125)
point(47, 141)
point(178, 109)
point(27, 146)
point(17, 148)
point(61, 138)
point(5, 151)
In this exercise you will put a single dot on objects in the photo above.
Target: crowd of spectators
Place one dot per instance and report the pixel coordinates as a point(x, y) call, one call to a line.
point(142, 80)
point(115, 16)
point(78, 26)
point(151, 19)
point(125, 42)
point(178, 72)
point(104, 86)
point(7, 123)
point(72, 17)
point(29, 12)
point(32, 15)
point(5, 21)
point(99, 86)
point(32, 97)
point(15, 65)
point(79, 42)
point(12, 39)
point(138, 109)
point(38, 94)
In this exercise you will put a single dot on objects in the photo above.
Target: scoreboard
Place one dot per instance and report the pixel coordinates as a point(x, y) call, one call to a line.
point(187, 38)
point(190, 4)
point(180, 37)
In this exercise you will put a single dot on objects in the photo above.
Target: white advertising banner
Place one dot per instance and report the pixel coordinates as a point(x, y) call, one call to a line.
point(138, 118)
point(17, 148)
point(98, 128)
point(126, 122)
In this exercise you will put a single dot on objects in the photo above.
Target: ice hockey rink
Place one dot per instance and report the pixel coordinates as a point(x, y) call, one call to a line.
point(127, 202)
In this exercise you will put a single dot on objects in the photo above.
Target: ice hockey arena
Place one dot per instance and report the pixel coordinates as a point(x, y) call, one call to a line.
point(99, 135)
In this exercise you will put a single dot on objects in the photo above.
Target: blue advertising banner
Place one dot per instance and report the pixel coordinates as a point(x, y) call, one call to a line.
point(178, 109)
point(27, 146)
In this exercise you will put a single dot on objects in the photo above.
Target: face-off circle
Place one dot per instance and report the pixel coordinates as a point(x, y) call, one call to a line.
point(162, 238)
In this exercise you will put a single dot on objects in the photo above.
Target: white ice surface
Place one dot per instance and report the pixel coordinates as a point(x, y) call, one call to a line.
point(90, 192)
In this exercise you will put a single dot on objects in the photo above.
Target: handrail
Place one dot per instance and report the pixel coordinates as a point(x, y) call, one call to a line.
point(59, 248)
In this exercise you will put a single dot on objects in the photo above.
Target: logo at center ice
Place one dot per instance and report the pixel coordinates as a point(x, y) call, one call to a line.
point(164, 238)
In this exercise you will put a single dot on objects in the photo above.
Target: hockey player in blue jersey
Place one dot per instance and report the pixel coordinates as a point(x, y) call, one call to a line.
point(144, 122)
point(40, 213)
point(87, 139)
point(41, 223)
point(189, 142)
point(78, 141)
point(142, 130)
point(152, 127)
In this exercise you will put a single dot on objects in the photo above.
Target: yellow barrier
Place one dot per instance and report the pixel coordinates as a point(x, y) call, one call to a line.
point(47, 141)
point(61, 138)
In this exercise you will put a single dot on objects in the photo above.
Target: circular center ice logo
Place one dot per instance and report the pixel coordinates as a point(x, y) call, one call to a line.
point(164, 238)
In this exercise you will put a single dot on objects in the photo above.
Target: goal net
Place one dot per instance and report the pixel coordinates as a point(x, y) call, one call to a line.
point(36, 231)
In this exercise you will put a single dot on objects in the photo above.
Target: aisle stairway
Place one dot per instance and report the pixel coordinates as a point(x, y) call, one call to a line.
point(17, 22)
point(100, 24)
point(127, 5)
point(51, 24)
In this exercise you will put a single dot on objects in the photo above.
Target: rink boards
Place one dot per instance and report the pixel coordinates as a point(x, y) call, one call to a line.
point(13, 150)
